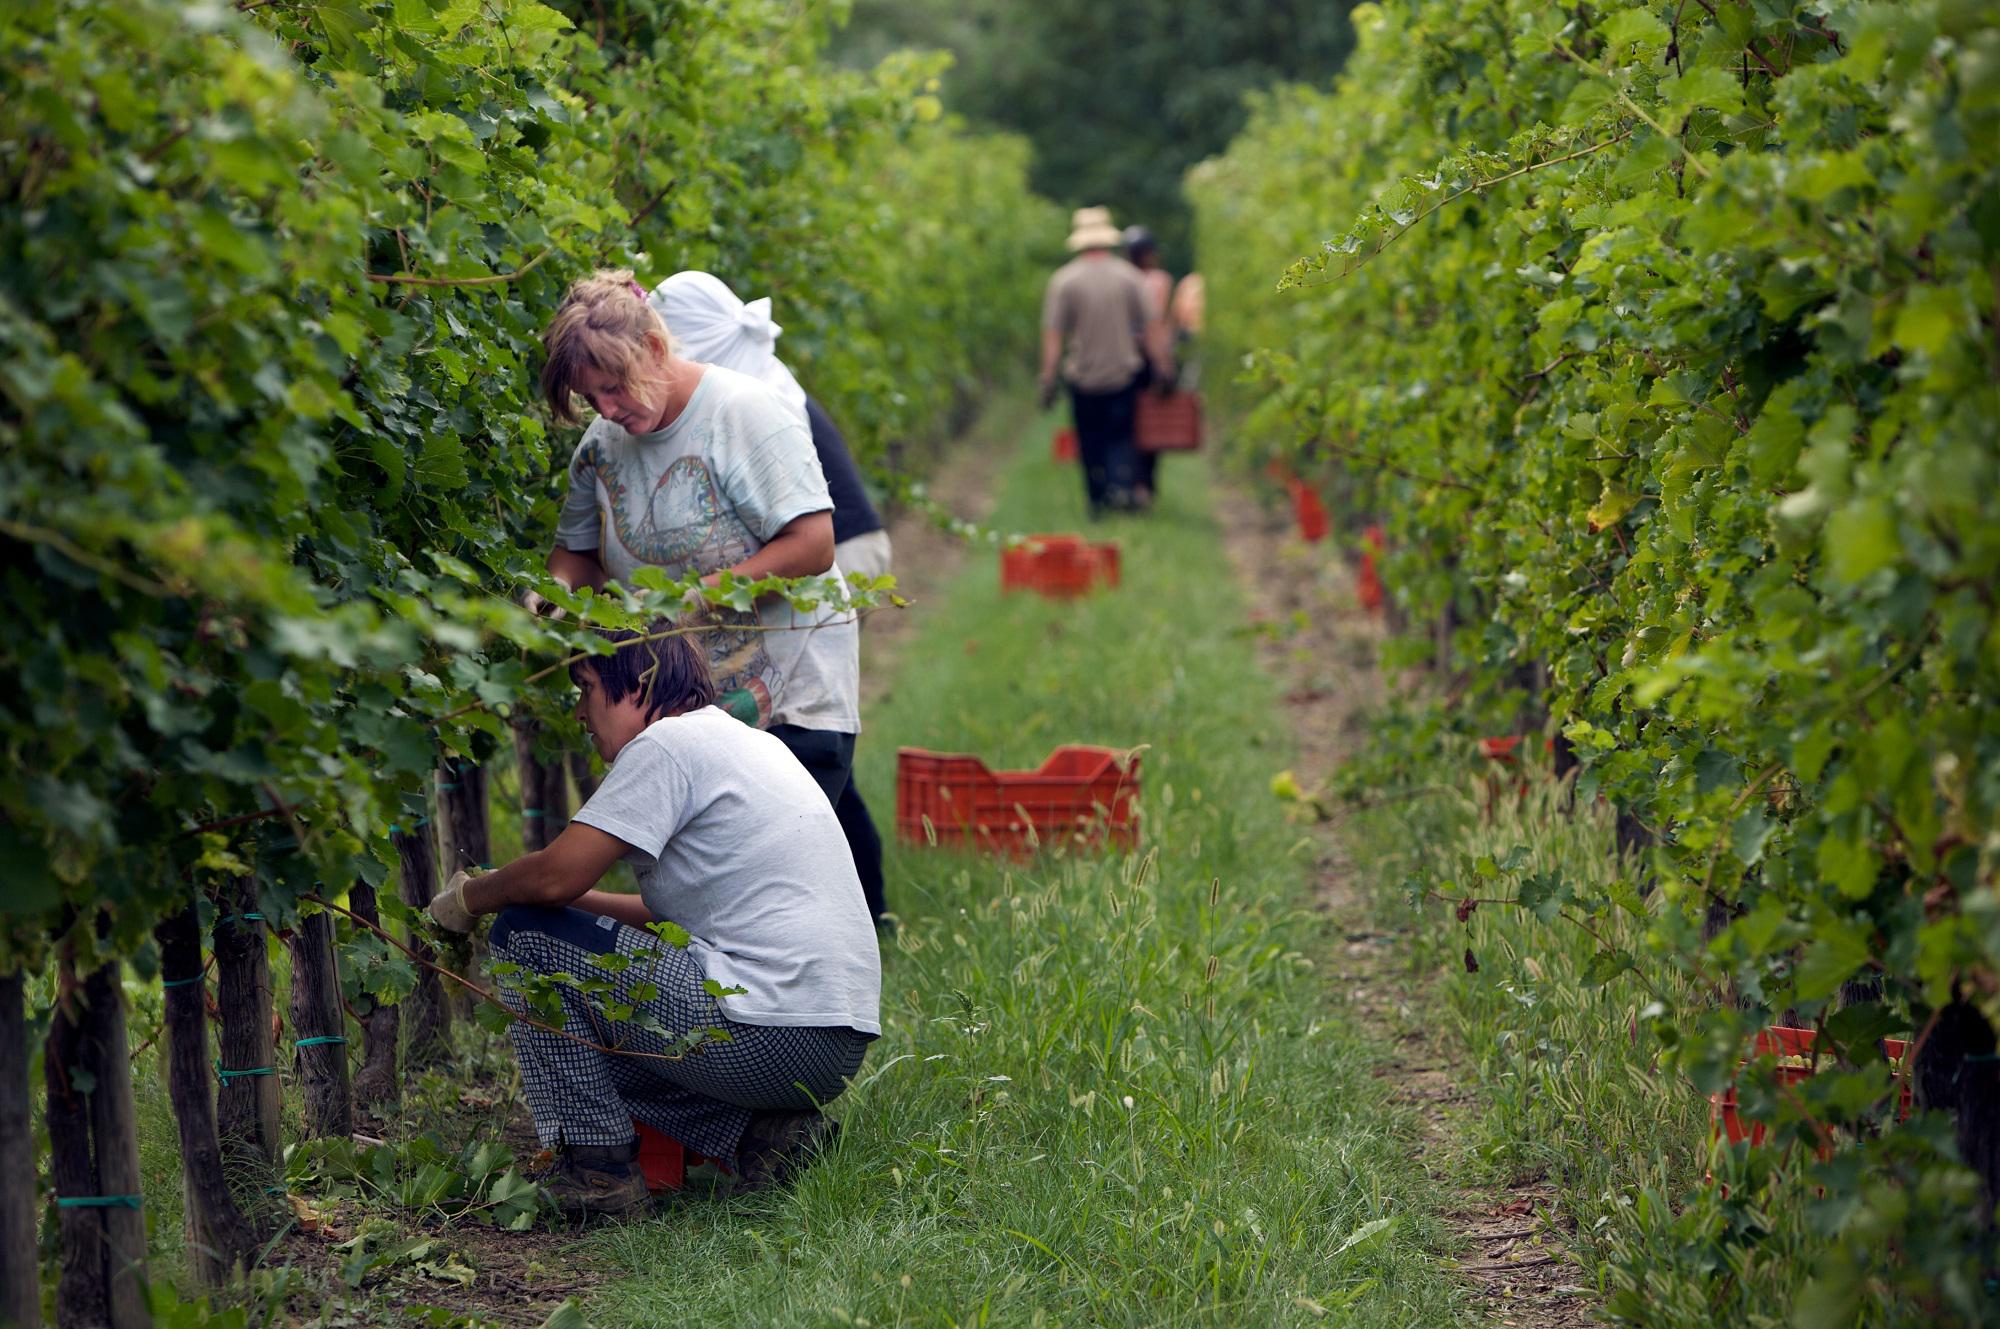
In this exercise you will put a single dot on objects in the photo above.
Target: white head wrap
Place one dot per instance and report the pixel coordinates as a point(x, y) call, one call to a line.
point(712, 326)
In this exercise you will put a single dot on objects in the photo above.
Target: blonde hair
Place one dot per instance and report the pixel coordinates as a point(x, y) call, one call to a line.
point(605, 326)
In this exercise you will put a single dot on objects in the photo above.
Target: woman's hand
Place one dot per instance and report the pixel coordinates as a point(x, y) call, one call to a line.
point(447, 908)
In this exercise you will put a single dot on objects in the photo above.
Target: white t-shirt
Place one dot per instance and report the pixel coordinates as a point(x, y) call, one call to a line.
point(732, 840)
point(711, 489)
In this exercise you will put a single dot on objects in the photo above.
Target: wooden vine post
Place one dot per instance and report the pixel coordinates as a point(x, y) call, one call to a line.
point(94, 1154)
point(544, 789)
point(585, 778)
point(1957, 1070)
point(462, 808)
point(20, 1285)
point(219, 1236)
point(319, 1028)
point(466, 843)
point(381, 1021)
point(246, 1065)
point(428, 1014)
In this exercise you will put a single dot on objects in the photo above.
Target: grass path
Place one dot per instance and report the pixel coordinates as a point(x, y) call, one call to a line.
point(1111, 1090)
point(1508, 1225)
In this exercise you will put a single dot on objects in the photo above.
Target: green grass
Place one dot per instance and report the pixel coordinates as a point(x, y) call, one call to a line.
point(1075, 1114)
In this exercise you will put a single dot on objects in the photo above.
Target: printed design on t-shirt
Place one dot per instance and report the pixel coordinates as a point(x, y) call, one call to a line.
point(677, 520)
point(681, 523)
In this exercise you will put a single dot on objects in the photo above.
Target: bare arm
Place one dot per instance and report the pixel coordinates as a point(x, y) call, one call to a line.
point(1051, 355)
point(804, 548)
point(627, 909)
point(551, 877)
point(575, 569)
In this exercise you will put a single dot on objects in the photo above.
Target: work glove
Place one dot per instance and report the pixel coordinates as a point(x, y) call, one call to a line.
point(447, 908)
point(541, 608)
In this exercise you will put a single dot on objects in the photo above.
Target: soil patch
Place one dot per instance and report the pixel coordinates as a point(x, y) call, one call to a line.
point(515, 1280)
point(1319, 642)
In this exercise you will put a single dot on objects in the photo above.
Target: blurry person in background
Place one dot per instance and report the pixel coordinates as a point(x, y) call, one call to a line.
point(1094, 321)
point(1143, 252)
point(1189, 307)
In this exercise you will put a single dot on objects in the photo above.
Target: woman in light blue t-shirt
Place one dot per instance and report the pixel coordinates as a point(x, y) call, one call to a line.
point(696, 469)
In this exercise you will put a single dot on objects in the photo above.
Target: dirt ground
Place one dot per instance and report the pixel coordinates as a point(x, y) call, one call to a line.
point(1323, 645)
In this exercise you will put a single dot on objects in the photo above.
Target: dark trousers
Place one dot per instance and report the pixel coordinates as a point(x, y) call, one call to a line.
point(1104, 443)
point(829, 758)
point(1146, 474)
point(866, 843)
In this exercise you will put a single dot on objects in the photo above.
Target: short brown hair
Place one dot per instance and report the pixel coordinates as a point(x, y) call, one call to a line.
point(669, 674)
point(604, 324)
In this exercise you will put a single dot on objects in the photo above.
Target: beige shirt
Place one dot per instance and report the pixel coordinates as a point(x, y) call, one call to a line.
point(1098, 303)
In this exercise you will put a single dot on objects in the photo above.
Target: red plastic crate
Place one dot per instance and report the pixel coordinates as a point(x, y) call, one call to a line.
point(1368, 581)
point(1081, 794)
point(1784, 1041)
point(1168, 424)
point(663, 1160)
point(1059, 566)
point(1062, 447)
point(1308, 511)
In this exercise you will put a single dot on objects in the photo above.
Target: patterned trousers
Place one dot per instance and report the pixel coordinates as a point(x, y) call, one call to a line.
point(581, 1095)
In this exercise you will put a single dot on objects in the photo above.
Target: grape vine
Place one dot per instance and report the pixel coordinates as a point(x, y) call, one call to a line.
point(1662, 340)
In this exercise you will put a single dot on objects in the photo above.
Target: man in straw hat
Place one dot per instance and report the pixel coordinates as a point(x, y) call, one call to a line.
point(1094, 323)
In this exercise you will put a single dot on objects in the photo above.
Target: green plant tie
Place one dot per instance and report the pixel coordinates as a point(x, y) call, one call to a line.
point(181, 982)
point(1983, 1056)
point(239, 918)
point(318, 1040)
point(226, 1076)
point(531, 812)
point(276, 1190)
point(99, 1201)
point(447, 784)
point(396, 829)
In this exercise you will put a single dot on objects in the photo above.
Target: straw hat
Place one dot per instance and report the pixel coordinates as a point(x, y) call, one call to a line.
point(1091, 228)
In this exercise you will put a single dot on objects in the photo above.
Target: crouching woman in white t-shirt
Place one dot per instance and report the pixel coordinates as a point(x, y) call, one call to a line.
point(731, 840)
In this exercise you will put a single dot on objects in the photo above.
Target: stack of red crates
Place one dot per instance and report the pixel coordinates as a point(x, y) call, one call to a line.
point(1061, 567)
point(1080, 793)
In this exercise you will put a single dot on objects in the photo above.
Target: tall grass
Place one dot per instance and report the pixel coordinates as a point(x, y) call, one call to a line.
point(1109, 1090)
point(1676, 1233)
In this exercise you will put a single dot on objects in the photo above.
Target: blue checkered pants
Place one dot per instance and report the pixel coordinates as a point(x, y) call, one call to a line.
point(580, 1095)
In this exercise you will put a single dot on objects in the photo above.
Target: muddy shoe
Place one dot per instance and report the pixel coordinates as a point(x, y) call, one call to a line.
point(777, 1146)
point(598, 1179)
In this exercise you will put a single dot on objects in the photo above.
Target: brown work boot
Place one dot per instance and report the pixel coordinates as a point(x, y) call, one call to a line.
point(777, 1146)
point(592, 1179)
